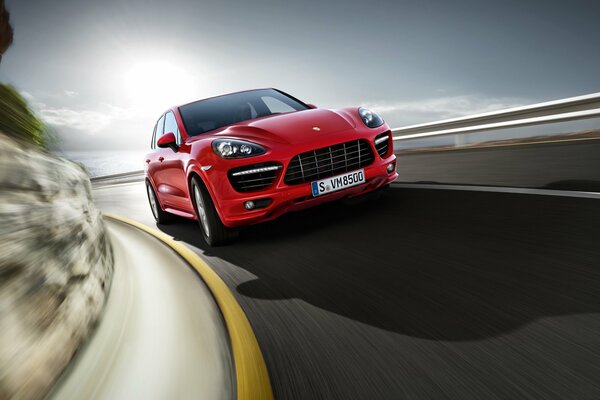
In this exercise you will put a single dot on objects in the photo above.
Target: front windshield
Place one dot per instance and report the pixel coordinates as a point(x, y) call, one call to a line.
point(210, 114)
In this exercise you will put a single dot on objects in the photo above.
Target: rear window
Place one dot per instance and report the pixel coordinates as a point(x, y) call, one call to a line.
point(210, 114)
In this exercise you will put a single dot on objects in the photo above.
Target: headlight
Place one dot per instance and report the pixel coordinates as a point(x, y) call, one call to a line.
point(231, 148)
point(370, 119)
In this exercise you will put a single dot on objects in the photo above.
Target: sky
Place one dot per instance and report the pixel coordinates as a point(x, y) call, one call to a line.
point(101, 72)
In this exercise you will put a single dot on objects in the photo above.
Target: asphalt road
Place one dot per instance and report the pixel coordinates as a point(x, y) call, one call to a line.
point(422, 294)
point(567, 165)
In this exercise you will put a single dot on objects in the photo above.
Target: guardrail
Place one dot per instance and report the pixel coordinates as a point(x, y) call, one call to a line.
point(552, 145)
point(124, 177)
point(574, 108)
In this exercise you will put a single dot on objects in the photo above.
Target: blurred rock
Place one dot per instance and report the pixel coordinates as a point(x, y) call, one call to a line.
point(55, 267)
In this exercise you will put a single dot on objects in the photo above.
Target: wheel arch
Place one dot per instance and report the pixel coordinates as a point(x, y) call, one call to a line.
point(148, 181)
point(197, 172)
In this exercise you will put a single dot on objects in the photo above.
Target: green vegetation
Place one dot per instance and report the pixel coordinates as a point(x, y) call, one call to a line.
point(16, 118)
point(18, 121)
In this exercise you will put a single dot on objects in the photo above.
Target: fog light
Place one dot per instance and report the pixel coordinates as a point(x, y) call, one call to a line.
point(249, 205)
point(390, 168)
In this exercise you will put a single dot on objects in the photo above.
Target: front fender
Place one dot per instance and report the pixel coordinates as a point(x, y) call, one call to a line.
point(195, 168)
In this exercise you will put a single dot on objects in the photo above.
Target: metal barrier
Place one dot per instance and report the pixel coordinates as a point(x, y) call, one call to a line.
point(571, 109)
point(553, 145)
point(124, 177)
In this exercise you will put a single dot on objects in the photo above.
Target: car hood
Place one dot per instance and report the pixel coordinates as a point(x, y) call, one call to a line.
point(295, 127)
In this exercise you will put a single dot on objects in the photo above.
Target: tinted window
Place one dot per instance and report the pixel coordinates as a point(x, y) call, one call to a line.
point(206, 115)
point(158, 131)
point(253, 113)
point(171, 126)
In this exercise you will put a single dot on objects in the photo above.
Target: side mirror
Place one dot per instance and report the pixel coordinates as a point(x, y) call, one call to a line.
point(311, 106)
point(168, 140)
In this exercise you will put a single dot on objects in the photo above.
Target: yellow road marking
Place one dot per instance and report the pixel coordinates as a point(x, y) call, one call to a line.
point(433, 149)
point(250, 369)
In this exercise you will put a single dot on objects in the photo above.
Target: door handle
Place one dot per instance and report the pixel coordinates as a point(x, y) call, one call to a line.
point(161, 159)
point(147, 161)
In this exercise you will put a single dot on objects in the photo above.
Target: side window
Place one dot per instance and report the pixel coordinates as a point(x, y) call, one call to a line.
point(158, 131)
point(171, 126)
point(276, 106)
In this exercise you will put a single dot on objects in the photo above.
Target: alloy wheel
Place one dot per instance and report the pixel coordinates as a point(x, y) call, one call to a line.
point(201, 211)
point(153, 202)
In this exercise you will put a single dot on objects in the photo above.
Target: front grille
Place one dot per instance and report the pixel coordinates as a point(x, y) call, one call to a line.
point(382, 144)
point(251, 178)
point(329, 161)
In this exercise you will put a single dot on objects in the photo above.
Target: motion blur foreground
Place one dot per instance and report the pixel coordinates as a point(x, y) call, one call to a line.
point(56, 260)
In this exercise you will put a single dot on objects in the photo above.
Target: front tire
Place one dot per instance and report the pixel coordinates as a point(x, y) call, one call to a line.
point(213, 230)
point(160, 216)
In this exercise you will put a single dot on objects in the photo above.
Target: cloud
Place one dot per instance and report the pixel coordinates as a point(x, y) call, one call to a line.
point(89, 121)
point(429, 110)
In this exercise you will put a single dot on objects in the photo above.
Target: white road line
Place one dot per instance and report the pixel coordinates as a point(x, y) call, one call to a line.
point(500, 189)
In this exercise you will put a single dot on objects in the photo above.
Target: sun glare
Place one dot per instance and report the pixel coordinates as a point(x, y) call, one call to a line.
point(157, 85)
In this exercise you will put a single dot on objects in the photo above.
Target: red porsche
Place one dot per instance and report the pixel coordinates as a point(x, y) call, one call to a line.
point(251, 156)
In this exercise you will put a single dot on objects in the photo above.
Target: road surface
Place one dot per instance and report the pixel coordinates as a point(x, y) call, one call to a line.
point(424, 294)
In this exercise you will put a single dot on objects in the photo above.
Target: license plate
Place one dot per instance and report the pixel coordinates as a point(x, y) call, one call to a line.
point(338, 182)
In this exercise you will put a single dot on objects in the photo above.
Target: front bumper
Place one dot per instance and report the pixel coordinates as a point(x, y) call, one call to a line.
point(286, 198)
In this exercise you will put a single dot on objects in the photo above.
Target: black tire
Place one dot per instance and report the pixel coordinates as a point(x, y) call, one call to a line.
point(160, 216)
point(213, 230)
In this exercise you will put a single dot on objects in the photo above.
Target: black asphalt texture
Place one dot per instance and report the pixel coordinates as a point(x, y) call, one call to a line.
point(571, 165)
point(423, 294)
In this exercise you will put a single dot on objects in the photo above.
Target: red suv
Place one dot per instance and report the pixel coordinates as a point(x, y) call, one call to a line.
point(249, 157)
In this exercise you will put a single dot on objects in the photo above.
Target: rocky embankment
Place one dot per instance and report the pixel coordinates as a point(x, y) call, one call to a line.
point(55, 267)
